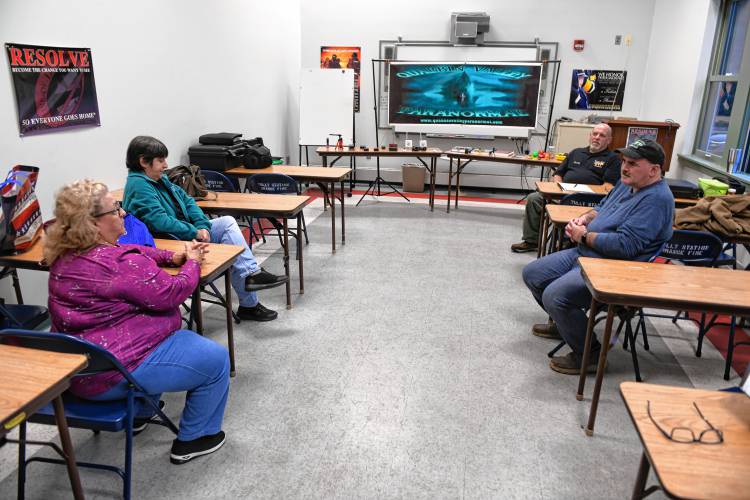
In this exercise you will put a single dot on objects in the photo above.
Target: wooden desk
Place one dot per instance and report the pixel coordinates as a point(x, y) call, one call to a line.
point(551, 191)
point(484, 156)
point(558, 216)
point(319, 175)
point(431, 154)
point(691, 470)
point(259, 205)
point(219, 260)
point(29, 379)
point(642, 284)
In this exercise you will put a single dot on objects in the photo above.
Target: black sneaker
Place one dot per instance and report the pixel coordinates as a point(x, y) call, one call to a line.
point(262, 280)
point(140, 423)
point(257, 313)
point(185, 451)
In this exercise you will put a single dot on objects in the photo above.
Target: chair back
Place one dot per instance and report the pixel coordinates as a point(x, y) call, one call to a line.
point(22, 316)
point(582, 199)
point(100, 359)
point(692, 247)
point(272, 184)
point(216, 181)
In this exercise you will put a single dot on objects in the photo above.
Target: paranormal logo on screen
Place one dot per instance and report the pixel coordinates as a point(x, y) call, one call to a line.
point(472, 94)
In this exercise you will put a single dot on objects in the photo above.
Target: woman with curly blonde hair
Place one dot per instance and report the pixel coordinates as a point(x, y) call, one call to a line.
point(117, 296)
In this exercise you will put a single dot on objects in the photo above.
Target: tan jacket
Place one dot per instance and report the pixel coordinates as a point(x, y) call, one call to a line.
point(724, 215)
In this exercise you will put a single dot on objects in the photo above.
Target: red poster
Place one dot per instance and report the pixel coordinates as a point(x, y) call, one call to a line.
point(343, 58)
point(54, 87)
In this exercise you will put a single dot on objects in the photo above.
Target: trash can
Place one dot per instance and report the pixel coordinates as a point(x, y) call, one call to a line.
point(413, 177)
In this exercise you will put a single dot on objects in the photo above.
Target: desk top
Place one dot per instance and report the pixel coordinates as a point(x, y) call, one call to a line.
point(552, 190)
point(218, 258)
point(248, 203)
point(324, 174)
point(332, 151)
point(486, 156)
point(644, 284)
point(693, 470)
point(30, 378)
point(562, 214)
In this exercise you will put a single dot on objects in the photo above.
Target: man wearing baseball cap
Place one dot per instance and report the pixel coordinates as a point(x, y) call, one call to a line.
point(631, 223)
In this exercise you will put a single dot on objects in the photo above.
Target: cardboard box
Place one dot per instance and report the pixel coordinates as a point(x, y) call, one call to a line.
point(413, 177)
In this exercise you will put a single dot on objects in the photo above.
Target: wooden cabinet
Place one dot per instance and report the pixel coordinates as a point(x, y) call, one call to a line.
point(665, 134)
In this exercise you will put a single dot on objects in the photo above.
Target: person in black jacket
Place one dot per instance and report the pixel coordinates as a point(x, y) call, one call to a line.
point(594, 164)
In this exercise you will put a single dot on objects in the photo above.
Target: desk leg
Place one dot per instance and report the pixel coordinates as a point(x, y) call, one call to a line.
point(300, 248)
point(450, 179)
point(458, 182)
point(543, 228)
point(197, 309)
point(230, 319)
point(433, 174)
point(599, 370)
point(343, 227)
point(67, 446)
point(333, 216)
point(286, 265)
point(587, 347)
point(640, 481)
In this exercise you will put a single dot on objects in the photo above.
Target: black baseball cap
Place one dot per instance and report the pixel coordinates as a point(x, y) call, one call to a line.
point(644, 148)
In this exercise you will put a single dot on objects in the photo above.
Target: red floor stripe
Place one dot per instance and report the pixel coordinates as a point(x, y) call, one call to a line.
point(719, 337)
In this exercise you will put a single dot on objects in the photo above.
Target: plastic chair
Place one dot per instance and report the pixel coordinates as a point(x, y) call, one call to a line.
point(216, 181)
point(558, 239)
point(278, 184)
point(110, 416)
point(26, 317)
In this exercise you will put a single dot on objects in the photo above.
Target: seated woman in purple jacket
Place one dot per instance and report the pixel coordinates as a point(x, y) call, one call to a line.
point(118, 297)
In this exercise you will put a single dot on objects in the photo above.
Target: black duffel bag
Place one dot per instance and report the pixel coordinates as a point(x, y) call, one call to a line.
point(257, 155)
point(220, 139)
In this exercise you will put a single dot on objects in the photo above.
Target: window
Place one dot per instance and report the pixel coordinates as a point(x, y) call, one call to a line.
point(723, 134)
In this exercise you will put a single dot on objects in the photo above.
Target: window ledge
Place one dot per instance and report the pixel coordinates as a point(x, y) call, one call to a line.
point(711, 168)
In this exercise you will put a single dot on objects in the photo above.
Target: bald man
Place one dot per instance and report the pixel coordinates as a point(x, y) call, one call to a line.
point(594, 164)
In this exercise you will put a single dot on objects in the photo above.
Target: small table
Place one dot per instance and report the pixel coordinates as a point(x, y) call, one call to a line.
point(558, 217)
point(431, 154)
point(551, 191)
point(219, 260)
point(31, 378)
point(320, 175)
point(691, 470)
point(485, 156)
point(644, 284)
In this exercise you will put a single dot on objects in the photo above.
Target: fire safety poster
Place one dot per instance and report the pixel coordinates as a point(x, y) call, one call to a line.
point(343, 58)
point(54, 87)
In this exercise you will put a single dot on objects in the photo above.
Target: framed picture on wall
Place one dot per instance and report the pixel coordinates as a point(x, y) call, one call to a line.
point(635, 133)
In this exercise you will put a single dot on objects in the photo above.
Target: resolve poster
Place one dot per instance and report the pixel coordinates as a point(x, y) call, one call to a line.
point(54, 87)
point(343, 58)
point(597, 89)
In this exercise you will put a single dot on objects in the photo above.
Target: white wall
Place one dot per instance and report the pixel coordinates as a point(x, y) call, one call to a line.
point(679, 53)
point(338, 22)
point(172, 69)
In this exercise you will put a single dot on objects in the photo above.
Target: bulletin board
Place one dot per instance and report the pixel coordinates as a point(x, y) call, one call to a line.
point(326, 106)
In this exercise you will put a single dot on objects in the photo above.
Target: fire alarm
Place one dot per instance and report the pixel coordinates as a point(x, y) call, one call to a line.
point(578, 45)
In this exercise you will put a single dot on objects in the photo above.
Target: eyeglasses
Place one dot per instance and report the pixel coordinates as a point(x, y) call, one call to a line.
point(679, 434)
point(116, 210)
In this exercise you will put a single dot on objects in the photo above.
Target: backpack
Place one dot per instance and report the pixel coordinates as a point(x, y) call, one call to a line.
point(256, 155)
point(191, 180)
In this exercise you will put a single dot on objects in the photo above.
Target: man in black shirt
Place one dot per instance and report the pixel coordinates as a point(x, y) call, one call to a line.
point(594, 164)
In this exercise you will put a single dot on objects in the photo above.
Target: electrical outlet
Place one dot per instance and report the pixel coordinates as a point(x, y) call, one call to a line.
point(618, 39)
point(628, 40)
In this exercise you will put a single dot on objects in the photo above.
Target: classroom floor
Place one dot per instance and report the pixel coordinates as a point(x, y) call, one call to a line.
point(406, 370)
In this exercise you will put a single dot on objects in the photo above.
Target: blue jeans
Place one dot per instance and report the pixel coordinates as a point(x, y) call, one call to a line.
point(185, 361)
point(225, 230)
point(556, 283)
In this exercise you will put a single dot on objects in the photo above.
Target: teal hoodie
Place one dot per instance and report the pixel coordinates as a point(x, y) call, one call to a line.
point(153, 204)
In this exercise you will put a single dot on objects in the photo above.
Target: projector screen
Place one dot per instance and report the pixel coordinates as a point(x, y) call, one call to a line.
point(498, 99)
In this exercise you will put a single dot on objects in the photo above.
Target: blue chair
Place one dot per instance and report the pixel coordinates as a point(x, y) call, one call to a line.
point(110, 416)
point(26, 317)
point(557, 241)
point(216, 181)
point(278, 184)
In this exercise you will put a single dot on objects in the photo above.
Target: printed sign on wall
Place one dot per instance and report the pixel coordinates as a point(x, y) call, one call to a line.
point(597, 89)
point(343, 58)
point(54, 87)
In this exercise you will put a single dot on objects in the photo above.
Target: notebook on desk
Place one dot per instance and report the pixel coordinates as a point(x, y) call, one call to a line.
point(576, 188)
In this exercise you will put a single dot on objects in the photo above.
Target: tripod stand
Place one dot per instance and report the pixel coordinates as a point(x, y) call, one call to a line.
point(375, 184)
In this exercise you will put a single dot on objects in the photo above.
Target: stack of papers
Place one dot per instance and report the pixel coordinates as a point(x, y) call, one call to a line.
point(577, 188)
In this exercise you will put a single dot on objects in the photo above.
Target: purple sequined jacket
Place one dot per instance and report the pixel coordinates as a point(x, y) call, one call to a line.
point(119, 298)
